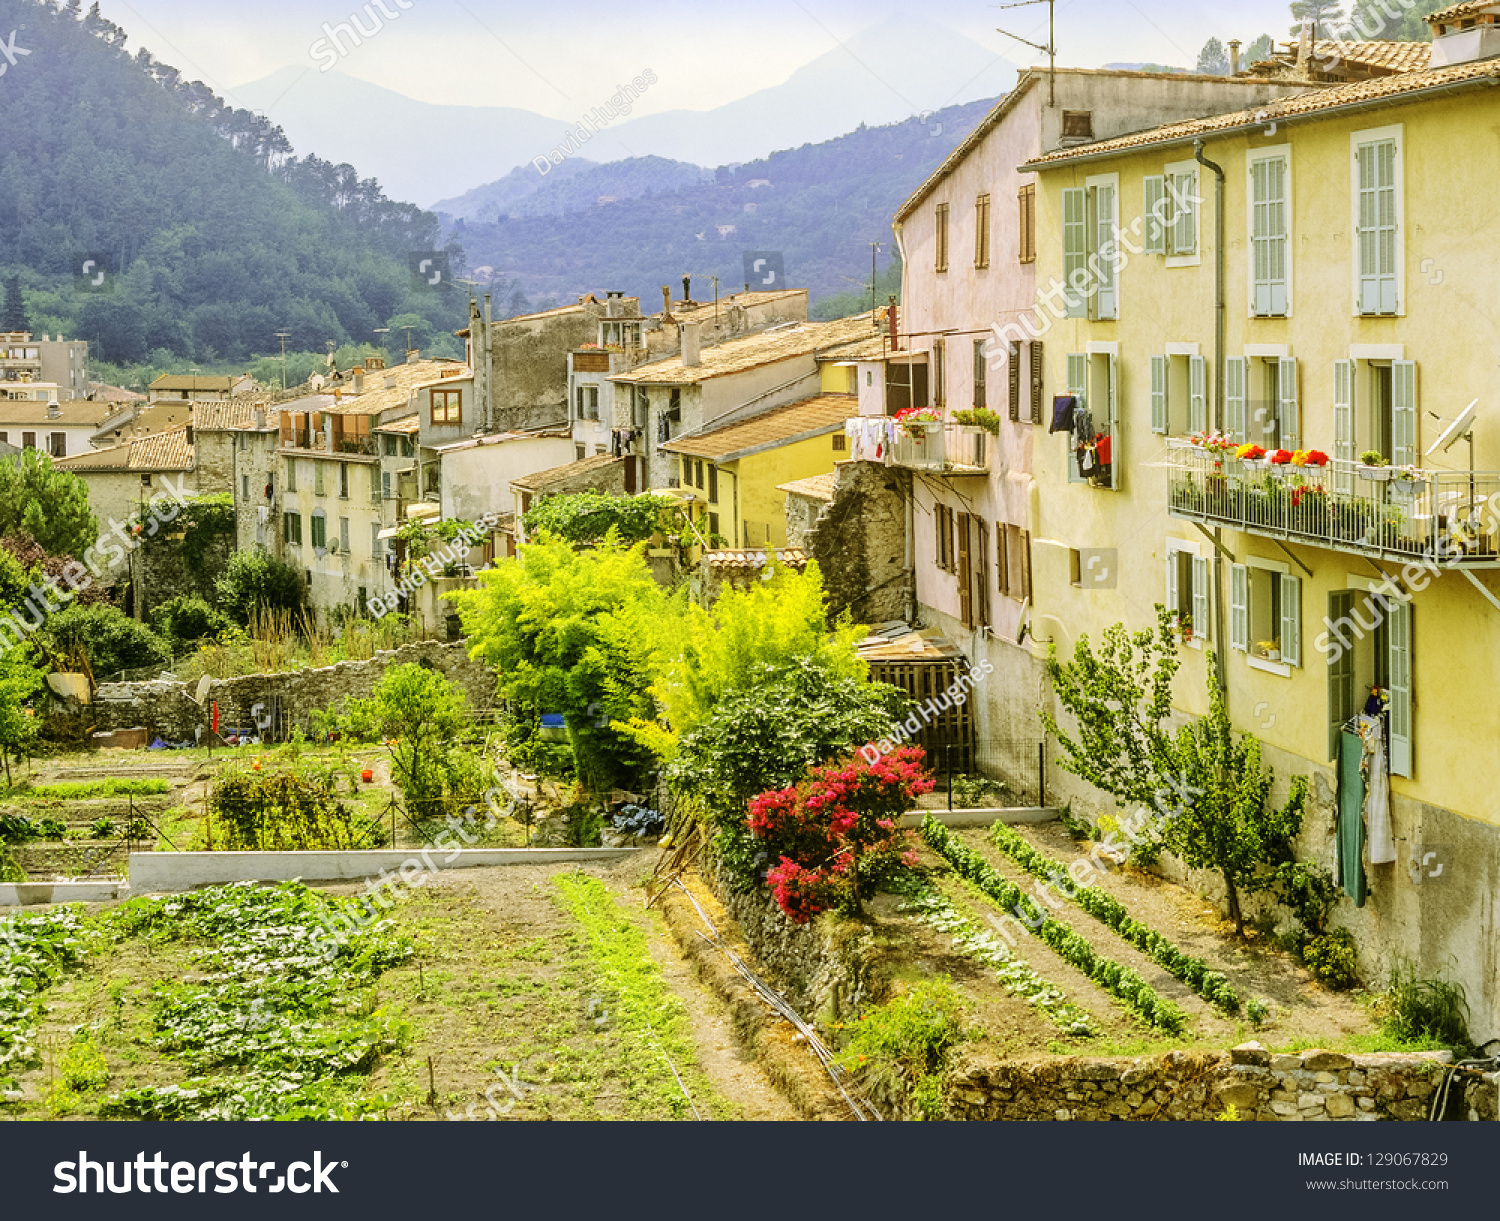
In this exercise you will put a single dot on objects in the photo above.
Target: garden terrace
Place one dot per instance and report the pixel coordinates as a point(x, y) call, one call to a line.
point(1380, 512)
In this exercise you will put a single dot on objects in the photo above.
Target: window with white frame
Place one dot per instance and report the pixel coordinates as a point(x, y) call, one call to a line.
point(1261, 402)
point(1094, 380)
point(1265, 615)
point(1379, 237)
point(1179, 391)
point(1270, 193)
point(1091, 248)
point(1361, 659)
point(1188, 590)
point(1172, 214)
point(1374, 408)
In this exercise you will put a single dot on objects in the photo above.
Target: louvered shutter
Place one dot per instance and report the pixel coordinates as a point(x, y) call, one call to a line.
point(1155, 212)
point(1239, 608)
point(1291, 620)
point(1013, 372)
point(1185, 215)
point(1201, 617)
point(1269, 236)
point(1159, 394)
point(1291, 414)
point(1174, 604)
point(1036, 367)
point(1404, 413)
point(1376, 166)
point(1108, 298)
point(1343, 427)
point(1002, 561)
point(1197, 394)
point(1116, 428)
point(1398, 627)
point(1078, 376)
point(1075, 250)
point(1236, 369)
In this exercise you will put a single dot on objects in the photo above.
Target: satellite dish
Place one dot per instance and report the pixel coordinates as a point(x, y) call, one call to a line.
point(1457, 430)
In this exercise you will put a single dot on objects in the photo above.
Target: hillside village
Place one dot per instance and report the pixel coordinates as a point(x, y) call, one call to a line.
point(1100, 584)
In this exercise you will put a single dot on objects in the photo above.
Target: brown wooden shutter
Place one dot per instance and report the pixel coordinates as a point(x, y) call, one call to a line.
point(1002, 559)
point(1015, 381)
point(1026, 564)
point(965, 573)
point(982, 574)
point(1036, 381)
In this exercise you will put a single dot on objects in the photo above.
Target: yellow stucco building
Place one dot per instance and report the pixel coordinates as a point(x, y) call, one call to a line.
point(1355, 240)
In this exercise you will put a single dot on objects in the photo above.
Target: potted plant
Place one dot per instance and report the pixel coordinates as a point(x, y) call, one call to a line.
point(1281, 462)
point(1372, 466)
point(1269, 650)
point(912, 421)
point(1185, 625)
point(1253, 456)
point(1408, 482)
point(978, 417)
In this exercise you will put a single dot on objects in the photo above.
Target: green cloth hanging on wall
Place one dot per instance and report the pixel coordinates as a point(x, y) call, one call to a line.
point(1351, 831)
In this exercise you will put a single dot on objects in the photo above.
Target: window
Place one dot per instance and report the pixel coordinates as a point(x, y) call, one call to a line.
point(447, 406)
point(1270, 233)
point(943, 516)
point(939, 371)
point(1378, 237)
point(840, 443)
point(1172, 214)
point(713, 524)
point(1013, 561)
point(291, 528)
point(344, 535)
point(1188, 589)
point(146, 479)
point(1026, 226)
point(1179, 393)
point(57, 444)
point(343, 480)
point(1091, 250)
point(317, 478)
point(291, 474)
point(408, 448)
point(981, 376)
point(319, 531)
point(1265, 615)
point(1261, 401)
point(1360, 658)
point(588, 402)
point(982, 232)
point(1078, 125)
point(375, 485)
point(580, 452)
point(1094, 379)
point(385, 485)
point(377, 544)
point(1374, 407)
point(28, 440)
point(941, 222)
point(244, 487)
point(713, 483)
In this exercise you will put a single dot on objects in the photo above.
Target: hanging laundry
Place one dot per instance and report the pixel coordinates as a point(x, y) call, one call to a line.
point(1063, 408)
point(1382, 842)
point(1351, 826)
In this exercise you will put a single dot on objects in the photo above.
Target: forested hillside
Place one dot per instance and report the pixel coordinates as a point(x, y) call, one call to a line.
point(216, 234)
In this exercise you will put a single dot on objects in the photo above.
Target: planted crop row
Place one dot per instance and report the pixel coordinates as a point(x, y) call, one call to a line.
point(934, 910)
point(1213, 986)
point(35, 948)
point(1115, 978)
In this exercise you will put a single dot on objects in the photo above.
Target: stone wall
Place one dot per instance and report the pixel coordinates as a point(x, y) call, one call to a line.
point(1310, 1085)
point(167, 708)
point(859, 542)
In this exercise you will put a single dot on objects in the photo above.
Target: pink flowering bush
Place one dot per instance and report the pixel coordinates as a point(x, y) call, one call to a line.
point(843, 820)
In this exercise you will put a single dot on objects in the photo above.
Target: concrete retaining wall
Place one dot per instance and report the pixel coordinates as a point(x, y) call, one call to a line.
point(28, 894)
point(174, 871)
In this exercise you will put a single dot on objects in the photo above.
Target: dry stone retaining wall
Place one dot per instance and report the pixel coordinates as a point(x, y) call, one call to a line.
point(167, 709)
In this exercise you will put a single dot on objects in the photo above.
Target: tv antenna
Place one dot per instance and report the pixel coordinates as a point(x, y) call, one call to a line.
point(283, 336)
point(1050, 50)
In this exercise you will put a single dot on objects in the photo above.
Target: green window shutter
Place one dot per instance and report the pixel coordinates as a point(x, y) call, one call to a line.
point(1117, 454)
point(1269, 237)
point(1156, 212)
point(1159, 418)
point(1375, 165)
point(1174, 604)
point(1404, 412)
point(319, 530)
point(1291, 418)
point(1343, 427)
point(1075, 249)
point(1200, 597)
point(1239, 608)
point(1108, 296)
point(1341, 698)
point(317, 478)
point(1398, 626)
point(1185, 215)
point(1291, 620)
point(1078, 377)
point(1236, 369)
point(1197, 394)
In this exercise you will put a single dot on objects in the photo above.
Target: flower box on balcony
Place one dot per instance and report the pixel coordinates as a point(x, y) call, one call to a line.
point(1375, 474)
point(1256, 465)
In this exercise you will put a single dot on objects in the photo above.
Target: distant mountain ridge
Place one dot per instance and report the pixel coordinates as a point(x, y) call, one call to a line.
point(573, 186)
point(891, 71)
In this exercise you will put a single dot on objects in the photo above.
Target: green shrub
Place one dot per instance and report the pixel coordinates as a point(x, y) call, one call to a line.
point(107, 638)
point(254, 581)
point(102, 828)
point(295, 810)
point(973, 792)
point(1331, 959)
point(186, 619)
point(110, 786)
point(910, 1036)
point(1427, 1009)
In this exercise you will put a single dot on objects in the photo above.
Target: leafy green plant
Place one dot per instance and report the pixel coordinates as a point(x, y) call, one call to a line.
point(1257, 1011)
point(292, 810)
point(974, 792)
point(1427, 1009)
point(108, 786)
point(256, 581)
point(909, 1039)
point(589, 518)
point(187, 619)
point(1213, 986)
point(978, 417)
point(1331, 959)
point(106, 638)
point(37, 947)
point(102, 828)
point(1119, 980)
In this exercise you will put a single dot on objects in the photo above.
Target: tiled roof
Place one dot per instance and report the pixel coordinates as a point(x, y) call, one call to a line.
point(901, 643)
point(74, 413)
point(872, 347)
point(495, 438)
point(223, 415)
point(1385, 88)
point(754, 561)
point(162, 451)
point(699, 310)
point(114, 394)
point(1468, 9)
point(1395, 56)
point(538, 480)
point(407, 425)
point(750, 352)
point(816, 487)
point(405, 379)
point(780, 426)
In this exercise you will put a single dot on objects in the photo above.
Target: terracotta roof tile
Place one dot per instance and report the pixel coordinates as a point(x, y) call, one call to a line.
point(1467, 9)
point(74, 413)
point(1392, 88)
point(162, 451)
point(751, 352)
point(538, 480)
point(753, 561)
point(816, 487)
point(812, 417)
point(231, 413)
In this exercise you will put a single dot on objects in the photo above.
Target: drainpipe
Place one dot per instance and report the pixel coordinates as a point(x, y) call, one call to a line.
point(1220, 319)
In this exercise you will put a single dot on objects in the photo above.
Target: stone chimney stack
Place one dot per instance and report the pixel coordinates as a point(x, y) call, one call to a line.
point(692, 351)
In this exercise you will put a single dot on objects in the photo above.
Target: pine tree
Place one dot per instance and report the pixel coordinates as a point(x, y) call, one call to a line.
point(1213, 60)
point(13, 311)
point(1324, 14)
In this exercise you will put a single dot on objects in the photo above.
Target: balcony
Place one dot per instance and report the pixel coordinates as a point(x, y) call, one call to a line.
point(939, 448)
point(1343, 506)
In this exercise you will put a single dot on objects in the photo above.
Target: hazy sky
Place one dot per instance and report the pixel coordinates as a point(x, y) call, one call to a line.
point(550, 57)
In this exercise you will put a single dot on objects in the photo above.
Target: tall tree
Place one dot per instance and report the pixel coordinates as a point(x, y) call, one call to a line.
point(50, 505)
point(1260, 50)
point(1324, 14)
point(13, 311)
point(1213, 60)
point(1372, 19)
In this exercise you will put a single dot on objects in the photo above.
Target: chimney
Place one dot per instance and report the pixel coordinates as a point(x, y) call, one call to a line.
point(687, 290)
point(53, 411)
point(260, 417)
point(189, 431)
point(666, 304)
point(390, 382)
point(359, 380)
point(413, 355)
point(692, 355)
point(1234, 57)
